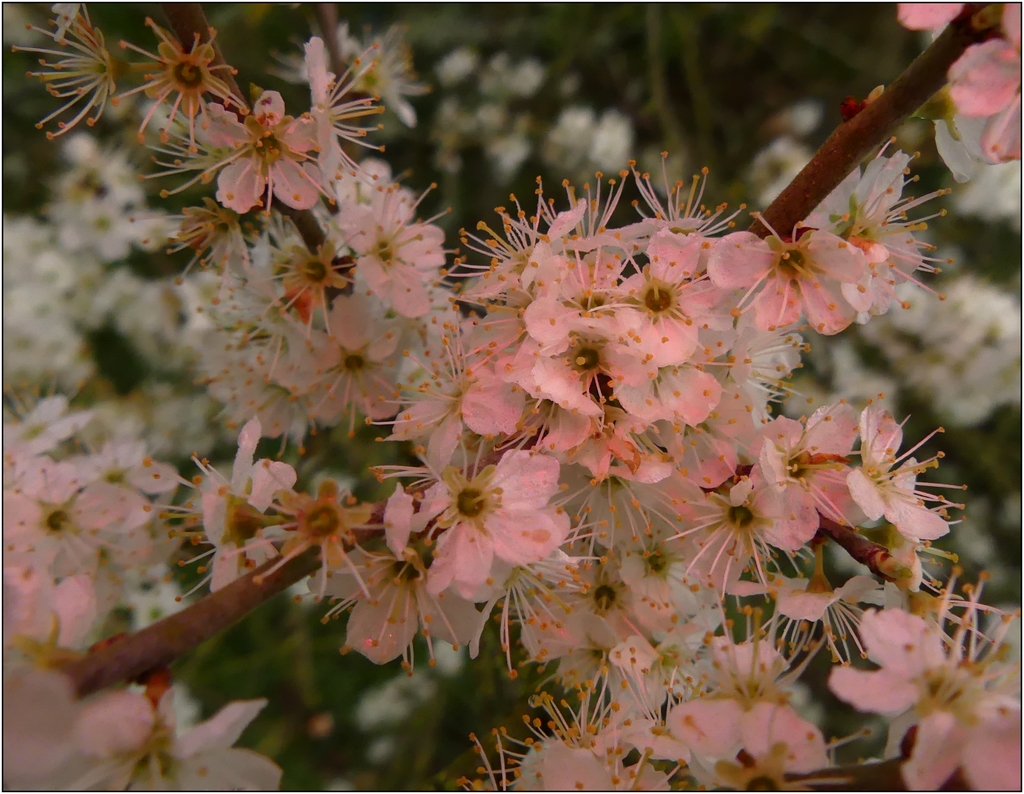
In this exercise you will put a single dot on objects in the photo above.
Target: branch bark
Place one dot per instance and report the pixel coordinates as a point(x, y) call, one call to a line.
point(327, 17)
point(866, 552)
point(853, 140)
point(163, 642)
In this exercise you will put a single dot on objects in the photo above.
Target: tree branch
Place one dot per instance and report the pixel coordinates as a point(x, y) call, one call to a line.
point(308, 226)
point(866, 552)
point(163, 642)
point(327, 17)
point(853, 140)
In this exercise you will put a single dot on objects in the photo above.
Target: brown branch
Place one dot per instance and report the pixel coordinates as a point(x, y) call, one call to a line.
point(327, 16)
point(163, 642)
point(881, 776)
point(186, 20)
point(853, 140)
point(866, 552)
point(308, 226)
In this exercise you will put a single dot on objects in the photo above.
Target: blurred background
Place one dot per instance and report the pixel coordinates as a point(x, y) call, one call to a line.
point(482, 99)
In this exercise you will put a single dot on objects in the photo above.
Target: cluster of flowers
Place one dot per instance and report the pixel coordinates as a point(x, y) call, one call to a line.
point(67, 284)
point(592, 411)
point(57, 286)
point(124, 739)
point(981, 119)
point(76, 528)
point(75, 523)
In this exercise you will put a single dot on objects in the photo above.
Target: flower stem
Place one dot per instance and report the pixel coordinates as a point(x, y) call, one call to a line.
point(854, 139)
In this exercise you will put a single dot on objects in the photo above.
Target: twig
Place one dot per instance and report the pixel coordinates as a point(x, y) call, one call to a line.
point(327, 16)
point(309, 227)
point(866, 552)
point(163, 642)
point(186, 20)
point(853, 140)
point(882, 776)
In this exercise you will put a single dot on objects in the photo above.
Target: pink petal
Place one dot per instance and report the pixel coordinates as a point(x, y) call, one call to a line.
point(827, 311)
point(986, 78)
point(492, 407)
point(528, 480)
point(222, 730)
point(767, 724)
point(903, 644)
point(739, 260)
point(778, 304)
point(926, 16)
point(240, 185)
point(707, 726)
point(874, 692)
point(1000, 140)
point(295, 185)
point(936, 753)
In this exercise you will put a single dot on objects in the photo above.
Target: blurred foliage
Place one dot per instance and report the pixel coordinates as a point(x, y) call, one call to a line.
point(708, 82)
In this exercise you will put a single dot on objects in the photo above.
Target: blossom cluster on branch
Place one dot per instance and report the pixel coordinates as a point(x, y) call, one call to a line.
point(590, 400)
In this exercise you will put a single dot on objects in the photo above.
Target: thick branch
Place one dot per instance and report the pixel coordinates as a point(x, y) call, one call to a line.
point(163, 642)
point(853, 140)
point(186, 20)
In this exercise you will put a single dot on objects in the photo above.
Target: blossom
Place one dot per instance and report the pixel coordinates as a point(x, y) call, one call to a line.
point(461, 391)
point(269, 156)
point(396, 255)
point(805, 462)
point(332, 111)
point(86, 71)
point(965, 703)
point(803, 276)
point(353, 365)
point(499, 511)
point(42, 428)
point(232, 509)
point(388, 74)
point(868, 210)
point(127, 740)
point(387, 593)
point(880, 489)
point(190, 75)
point(984, 82)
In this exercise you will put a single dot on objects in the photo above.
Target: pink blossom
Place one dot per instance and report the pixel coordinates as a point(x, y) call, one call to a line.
point(927, 16)
point(787, 279)
point(397, 255)
point(232, 508)
point(501, 511)
point(806, 463)
point(269, 156)
point(886, 485)
point(960, 696)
